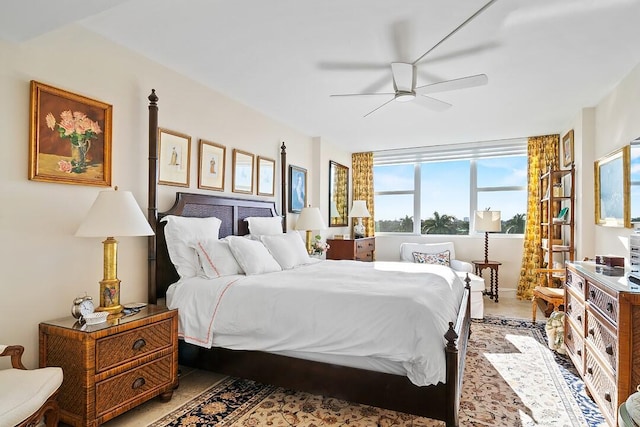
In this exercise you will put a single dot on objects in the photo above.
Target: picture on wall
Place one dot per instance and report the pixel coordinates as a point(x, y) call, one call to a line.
point(212, 163)
point(242, 181)
point(69, 137)
point(174, 158)
point(297, 189)
point(266, 173)
point(567, 149)
point(612, 189)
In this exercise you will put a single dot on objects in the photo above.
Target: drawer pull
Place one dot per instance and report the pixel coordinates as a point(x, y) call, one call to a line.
point(569, 336)
point(592, 332)
point(609, 350)
point(590, 370)
point(139, 344)
point(139, 382)
point(580, 284)
point(579, 317)
point(607, 397)
point(610, 307)
point(593, 294)
point(569, 307)
point(579, 352)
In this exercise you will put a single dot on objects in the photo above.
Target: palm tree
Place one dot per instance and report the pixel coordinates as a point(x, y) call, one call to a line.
point(439, 224)
point(406, 224)
point(516, 224)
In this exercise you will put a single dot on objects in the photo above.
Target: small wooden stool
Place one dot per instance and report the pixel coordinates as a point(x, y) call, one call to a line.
point(553, 296)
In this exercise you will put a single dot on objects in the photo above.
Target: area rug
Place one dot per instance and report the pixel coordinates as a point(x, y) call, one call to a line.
point(511, 379)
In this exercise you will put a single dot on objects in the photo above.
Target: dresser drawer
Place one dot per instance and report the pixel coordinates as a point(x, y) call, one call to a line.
point(117, 349)
point(575, 346)
point(605, 303)
point(575, 281)
point(602, 387)
point(575, 308)
point(602, 336)
point(132, 385)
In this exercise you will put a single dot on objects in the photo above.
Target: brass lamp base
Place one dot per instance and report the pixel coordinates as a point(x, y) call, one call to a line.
point(309, 242)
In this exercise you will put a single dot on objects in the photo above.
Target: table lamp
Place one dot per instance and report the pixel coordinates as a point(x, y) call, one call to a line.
point(113, 213)
point(487, 221)
point(310, 219)
point(359, 210)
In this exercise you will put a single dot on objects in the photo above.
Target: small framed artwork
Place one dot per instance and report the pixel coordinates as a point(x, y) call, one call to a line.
point(297, 189)
point(242, 177)
point(266, 174)
point(69, 137)
point(612, 188)
point(567, 149)
point(211, 169)
point(174, 158)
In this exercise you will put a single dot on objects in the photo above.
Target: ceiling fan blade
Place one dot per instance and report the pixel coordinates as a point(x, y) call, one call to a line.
point(474, 50)
point(431, 103)
point(404, 76)
point(379, 107)
point(482, 9)
point(362, 94)
point(401, 40)
point(352, 66)
point(454, 84)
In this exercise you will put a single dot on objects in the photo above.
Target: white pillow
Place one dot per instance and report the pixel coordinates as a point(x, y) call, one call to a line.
point(182, 234)
point(252, 255)
point(216, 258)
point(288, 249)
point(264, 225)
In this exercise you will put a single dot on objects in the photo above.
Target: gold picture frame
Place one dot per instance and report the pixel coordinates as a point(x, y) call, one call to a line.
point(338, 195)
point(266, 176)
point(242, 176)
point(174, 158)
point(69, 137)
point(567, 149)
point(212, 161)
point(612, 186)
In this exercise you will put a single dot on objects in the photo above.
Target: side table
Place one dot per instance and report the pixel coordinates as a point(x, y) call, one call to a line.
point(493, 283)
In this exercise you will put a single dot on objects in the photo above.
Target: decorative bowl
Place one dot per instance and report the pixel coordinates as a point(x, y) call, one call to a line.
point(96, 317)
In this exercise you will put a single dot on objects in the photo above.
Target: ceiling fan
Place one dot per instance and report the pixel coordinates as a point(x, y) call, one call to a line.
point(404, 80)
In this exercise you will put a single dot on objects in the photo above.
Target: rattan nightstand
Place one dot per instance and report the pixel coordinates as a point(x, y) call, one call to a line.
point(114, 366)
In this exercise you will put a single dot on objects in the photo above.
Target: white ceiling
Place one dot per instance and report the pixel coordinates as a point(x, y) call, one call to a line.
point(545, 59)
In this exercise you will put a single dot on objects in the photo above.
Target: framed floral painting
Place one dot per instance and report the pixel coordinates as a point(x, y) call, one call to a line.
point(174, 158)
point(69, 137)
point(212, 162)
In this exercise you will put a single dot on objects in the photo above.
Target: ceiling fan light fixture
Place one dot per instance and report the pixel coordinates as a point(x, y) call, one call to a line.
point(405, 96)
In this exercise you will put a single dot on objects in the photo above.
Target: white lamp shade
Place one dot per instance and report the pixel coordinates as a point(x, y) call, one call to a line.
point(488, 221)
point(114, 213)
point(310, 219)
point(359, 209)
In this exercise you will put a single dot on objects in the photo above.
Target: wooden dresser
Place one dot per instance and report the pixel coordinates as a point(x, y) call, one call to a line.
point(353, 249)
point(602, 334)
point(114, 366)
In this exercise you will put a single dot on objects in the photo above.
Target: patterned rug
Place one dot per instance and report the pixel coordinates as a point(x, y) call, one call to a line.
point(511, 379)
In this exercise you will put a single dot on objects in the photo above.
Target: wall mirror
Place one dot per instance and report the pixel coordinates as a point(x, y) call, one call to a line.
point(634, 181)
point(612, 177)
point(338, 195)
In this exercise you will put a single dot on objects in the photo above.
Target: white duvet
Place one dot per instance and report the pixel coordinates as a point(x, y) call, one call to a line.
point(387, 310)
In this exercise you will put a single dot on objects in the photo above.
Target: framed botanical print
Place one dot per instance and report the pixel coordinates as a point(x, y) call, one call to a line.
point(174, 157)
point(297, 188)
point(567, 149)
point(212, 159)
point(69, 137)
point(612, 187)
point(242, 177)
point(266, 174)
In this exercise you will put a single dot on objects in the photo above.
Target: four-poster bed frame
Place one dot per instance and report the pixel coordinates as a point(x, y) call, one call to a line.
point(396, 392)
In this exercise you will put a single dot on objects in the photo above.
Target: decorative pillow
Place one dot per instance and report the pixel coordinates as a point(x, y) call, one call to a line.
point(264, 225)
point(440, 258)
point(182, 234)
point(407, 249)
point(216, 258)
point(253, 256)
point(288, 249)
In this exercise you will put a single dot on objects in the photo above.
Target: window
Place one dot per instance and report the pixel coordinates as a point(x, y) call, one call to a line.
point(444, 185)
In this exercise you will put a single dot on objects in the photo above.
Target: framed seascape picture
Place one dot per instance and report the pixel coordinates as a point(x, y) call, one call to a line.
point(211, 168)
point(69, 137)
point(612, 186)
point(242, 177)
point(266, 173)
point(174, 157)
point(567, 149)
point(297, 189)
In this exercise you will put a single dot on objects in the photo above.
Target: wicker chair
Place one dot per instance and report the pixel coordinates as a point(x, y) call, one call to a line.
point(28, 395)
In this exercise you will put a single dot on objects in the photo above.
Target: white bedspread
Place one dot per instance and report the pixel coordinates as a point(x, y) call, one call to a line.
point(388, 310)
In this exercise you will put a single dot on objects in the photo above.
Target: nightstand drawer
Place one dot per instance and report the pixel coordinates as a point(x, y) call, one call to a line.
point(132, 384)
point(121, 348)
point(365, 245)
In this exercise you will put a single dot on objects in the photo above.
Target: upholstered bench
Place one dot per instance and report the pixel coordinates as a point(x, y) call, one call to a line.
point(462, 268)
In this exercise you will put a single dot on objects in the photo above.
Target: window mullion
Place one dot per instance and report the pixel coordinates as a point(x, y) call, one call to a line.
point(417, 192)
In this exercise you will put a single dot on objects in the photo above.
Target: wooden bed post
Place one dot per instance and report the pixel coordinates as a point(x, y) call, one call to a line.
point(283, 185)
point(152, 211)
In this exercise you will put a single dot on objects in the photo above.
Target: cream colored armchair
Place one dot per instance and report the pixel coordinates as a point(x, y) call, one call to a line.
point(27, 395)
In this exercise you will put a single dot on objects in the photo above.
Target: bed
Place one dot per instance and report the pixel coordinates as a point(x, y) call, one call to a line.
point(327, 377)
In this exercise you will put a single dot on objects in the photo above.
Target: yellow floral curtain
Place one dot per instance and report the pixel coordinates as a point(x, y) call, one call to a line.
point(542, 154)
point(362, 184)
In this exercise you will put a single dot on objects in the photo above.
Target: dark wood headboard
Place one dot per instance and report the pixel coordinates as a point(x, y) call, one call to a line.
point(231, 211)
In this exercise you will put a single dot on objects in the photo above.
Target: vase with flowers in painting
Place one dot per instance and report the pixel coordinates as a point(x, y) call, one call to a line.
point(79, 129)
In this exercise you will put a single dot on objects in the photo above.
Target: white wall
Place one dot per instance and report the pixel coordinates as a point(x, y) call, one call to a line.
point(44, 266)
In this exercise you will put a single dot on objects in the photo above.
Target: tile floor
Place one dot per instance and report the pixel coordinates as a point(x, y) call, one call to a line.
point(193, 382)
